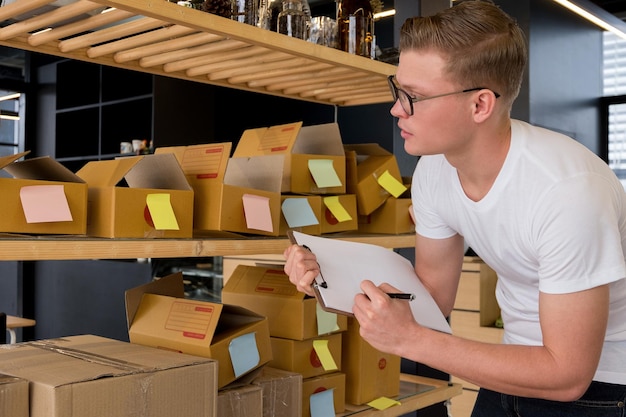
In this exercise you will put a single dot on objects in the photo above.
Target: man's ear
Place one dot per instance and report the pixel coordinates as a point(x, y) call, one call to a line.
point(484, 104)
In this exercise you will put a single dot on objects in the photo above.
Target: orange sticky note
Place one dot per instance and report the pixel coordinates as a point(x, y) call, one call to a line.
point(45, 204)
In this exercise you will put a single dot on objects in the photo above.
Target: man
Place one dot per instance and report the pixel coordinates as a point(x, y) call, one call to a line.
point(544, 212)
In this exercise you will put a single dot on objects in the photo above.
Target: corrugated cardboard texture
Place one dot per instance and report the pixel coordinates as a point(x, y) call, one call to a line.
point(85, 375)
point(246, 401)
point(282, 392)
point(13, 396)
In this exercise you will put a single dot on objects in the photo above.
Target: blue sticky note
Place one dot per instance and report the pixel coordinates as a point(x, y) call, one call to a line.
point(244, 353)
point(298, 212)
point(322, 404)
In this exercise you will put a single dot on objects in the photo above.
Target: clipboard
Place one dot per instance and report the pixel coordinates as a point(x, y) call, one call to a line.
point(344, 264)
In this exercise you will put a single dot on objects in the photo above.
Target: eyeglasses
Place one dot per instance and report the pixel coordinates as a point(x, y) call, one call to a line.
point(406, 101)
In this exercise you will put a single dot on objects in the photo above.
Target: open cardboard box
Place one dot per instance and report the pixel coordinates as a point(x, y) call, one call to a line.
point(239, 195)
point(158, 315)
point(91, 376)
point(313, 156)
point(291, 314)
point(393, 217)
point(43, 197)
point(156, 203)
point(373, 175)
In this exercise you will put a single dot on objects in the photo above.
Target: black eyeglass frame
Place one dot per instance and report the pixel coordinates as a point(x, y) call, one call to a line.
point(396, 91)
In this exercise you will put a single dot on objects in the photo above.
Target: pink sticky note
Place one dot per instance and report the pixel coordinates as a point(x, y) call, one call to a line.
point(45, 204)
point(257, 212)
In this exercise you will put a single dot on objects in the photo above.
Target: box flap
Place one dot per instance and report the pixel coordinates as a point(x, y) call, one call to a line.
point(170, 285)
point(365, 150)
point(107, 173)
point(6, 160)
point(322, 139)
point(201, 162)
point(159, 171)
point(273, 140)
point(42, 168)
point(261, 281)
point(259, 172)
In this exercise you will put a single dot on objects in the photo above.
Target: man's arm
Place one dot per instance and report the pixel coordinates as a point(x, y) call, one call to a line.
point(438, 264)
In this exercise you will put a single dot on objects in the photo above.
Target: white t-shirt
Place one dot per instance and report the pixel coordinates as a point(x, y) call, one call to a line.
point(554, 221)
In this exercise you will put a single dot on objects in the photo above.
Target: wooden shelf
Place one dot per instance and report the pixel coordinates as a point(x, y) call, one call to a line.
point(416, 392)
point(68, 248)
point(165, 39)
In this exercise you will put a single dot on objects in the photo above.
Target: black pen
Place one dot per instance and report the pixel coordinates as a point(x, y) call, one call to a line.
point(401, 296)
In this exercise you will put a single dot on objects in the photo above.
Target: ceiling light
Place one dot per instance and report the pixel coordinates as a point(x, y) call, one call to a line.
point(596, 15)
point(10, 96)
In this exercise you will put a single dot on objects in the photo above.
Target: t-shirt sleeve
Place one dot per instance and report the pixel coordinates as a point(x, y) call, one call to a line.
point(593, 254)
point(428, 220)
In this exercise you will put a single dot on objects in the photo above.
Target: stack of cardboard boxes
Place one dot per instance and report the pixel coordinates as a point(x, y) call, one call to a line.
point(336, 364)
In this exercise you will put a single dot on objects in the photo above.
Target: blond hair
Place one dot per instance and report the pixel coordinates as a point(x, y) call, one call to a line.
point(483, 46)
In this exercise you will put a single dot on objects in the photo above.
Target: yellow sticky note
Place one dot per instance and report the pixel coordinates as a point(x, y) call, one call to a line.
point(335, 207)
point(161, 212)
point(391, 185)
point(326, 358)
point(383, 403)
point(324, 173)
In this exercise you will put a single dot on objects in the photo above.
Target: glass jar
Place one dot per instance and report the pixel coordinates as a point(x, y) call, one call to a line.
point(292, 21)
point(246, 11)
point(355, 26)
point(269, 10)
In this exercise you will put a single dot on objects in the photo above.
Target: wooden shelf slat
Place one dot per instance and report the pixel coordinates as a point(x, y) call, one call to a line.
point(21, 248)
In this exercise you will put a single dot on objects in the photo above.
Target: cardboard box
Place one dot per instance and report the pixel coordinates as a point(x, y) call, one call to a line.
point(89, 375)
point(311, 387)
point(239, 195)
point(313, 156)
point(158, 315)
point(157, 203)
point(370, 373)
point(282, 392)
point(291, 314)
point(14, 396)
point(302, 213)
point(41, 183)
point(245, 401)
point(306, 356)
point(372, 174)
point(393, 217)
point(339, 213)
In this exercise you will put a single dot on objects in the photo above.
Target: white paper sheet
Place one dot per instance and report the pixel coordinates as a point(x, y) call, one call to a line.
point(344, 264)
